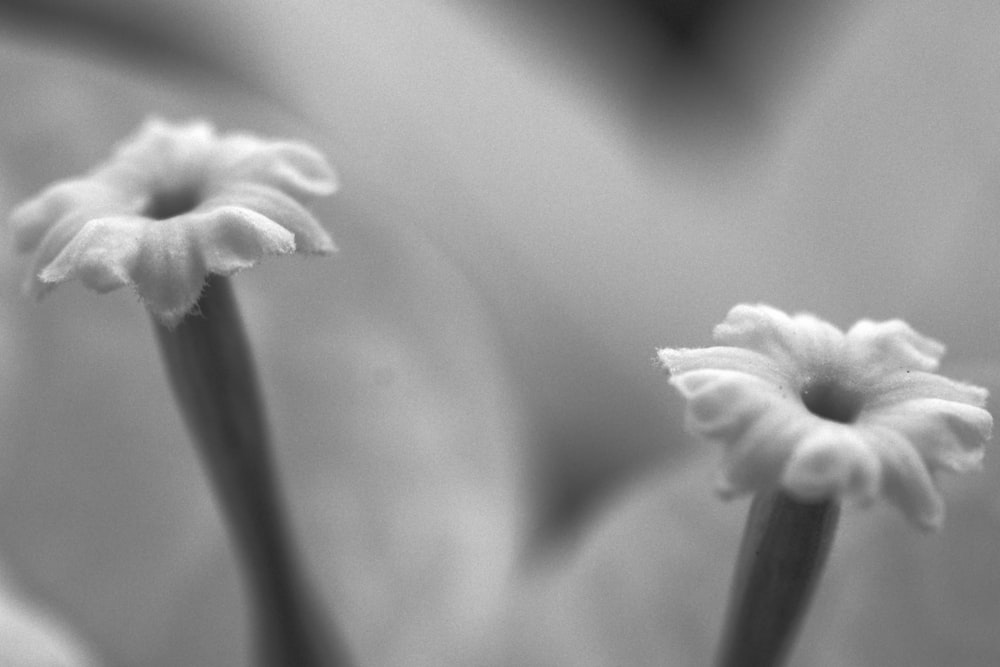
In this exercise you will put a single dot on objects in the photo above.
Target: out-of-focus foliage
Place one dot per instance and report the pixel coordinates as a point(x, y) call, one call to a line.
point(32, 635)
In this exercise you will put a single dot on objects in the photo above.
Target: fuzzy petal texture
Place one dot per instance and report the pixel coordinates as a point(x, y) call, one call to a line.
point(175, 203)
point(796, 402)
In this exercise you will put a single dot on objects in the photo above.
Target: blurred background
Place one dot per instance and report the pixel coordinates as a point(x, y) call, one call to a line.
point(484, 465)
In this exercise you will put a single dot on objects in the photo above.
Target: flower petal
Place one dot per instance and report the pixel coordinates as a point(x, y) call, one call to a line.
point(272, 203)
point(893, 344)
point(755, 420)
point(231, 238)
point(102, 255)
point(803, 340)
point(161, 154)
point(722, 403)
point(890, 388)
point(81, 198)
point(52, 244)
point(832, 460)
point(946, 434)
point(906, 482)
point(757, 459)
point(291, 166)
point(685, 360)
point(170, 271)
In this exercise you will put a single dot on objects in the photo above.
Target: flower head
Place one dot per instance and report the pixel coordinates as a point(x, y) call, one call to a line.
point(172, 205)
point(797, 402)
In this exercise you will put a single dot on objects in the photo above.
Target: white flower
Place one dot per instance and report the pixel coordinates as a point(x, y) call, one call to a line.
point(797, 402)
point(172, 205)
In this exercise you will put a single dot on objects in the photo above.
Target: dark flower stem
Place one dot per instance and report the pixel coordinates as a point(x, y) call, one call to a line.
point(785, 546)
point(214, 380)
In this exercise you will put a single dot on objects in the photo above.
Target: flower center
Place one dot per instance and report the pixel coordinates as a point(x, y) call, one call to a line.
point(172, 202)
point(831, 400)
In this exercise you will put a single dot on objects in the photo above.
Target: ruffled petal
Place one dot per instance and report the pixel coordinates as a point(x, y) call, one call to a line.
point(906, 481)
point(756, 460)
point(947, 434)
point(757, 327)
point(162, 154)
point(832, 460)
point(753, 419)
point(80, 198)
point(685, 360)
point(274, 204)
point(804, 340)
point(892, 345)
point(232, 238)
point(892, 388)
point(291, 166)
point(102, 255)
point(722, 403)
point(169, 273)
point(52, 244)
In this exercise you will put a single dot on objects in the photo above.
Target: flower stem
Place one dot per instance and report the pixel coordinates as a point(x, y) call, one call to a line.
point(785, 546)
point(214, 380)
